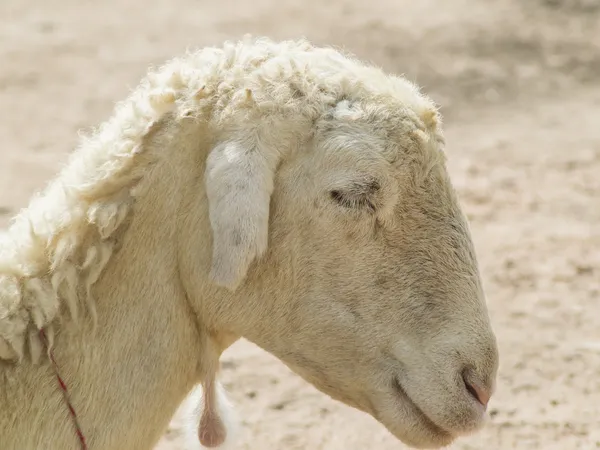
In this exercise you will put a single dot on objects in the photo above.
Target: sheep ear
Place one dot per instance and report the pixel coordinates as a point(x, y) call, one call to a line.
point(239, 184)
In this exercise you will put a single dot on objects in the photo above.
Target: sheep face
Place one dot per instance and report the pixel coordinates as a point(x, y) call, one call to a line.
point(369, 286)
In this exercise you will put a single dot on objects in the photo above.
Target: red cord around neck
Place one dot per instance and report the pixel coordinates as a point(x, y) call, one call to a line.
point(63, 388)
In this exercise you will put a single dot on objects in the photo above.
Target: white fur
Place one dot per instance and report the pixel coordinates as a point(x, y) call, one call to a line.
point(281, 192)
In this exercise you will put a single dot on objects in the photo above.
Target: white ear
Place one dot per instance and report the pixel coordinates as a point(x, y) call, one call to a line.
point(239, 184)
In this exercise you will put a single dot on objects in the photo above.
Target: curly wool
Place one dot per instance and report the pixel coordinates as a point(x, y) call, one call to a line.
point(56, 249)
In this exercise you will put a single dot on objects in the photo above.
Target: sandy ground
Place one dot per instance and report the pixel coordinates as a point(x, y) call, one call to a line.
point(519, 86)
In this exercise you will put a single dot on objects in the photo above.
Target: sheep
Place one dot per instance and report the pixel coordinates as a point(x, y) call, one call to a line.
point(282, 192)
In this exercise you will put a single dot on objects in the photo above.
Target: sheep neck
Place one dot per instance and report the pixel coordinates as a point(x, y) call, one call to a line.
point(65, 391)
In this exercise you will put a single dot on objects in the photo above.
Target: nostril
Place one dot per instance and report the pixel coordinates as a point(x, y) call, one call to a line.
point(478, 392)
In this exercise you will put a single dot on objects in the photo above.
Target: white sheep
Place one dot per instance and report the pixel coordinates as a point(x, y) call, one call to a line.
point(281, 192)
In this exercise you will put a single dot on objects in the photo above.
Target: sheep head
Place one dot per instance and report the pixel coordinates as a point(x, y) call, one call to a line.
point(327, 231)
point(346, 254)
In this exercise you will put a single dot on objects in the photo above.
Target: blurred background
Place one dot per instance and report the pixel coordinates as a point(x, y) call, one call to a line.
point(519, 86)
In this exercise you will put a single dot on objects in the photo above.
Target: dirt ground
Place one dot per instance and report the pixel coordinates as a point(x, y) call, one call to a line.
point(519, 85)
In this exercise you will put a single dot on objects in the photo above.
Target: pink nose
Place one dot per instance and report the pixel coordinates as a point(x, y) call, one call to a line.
point(481, 394)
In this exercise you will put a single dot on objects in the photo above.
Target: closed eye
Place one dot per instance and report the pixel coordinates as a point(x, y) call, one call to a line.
point(353, 200)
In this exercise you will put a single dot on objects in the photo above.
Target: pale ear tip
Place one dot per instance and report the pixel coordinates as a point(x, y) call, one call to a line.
point(228, 282)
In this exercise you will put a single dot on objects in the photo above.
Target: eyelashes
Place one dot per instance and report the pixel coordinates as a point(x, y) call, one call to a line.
point(353, 199)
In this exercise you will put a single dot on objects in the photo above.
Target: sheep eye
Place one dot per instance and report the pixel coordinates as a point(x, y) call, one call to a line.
point(353, 200)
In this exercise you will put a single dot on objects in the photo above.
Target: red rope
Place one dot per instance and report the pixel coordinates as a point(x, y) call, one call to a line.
point(63, 388)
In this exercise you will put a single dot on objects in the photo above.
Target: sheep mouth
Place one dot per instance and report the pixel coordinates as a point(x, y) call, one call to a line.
point(424, 418)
